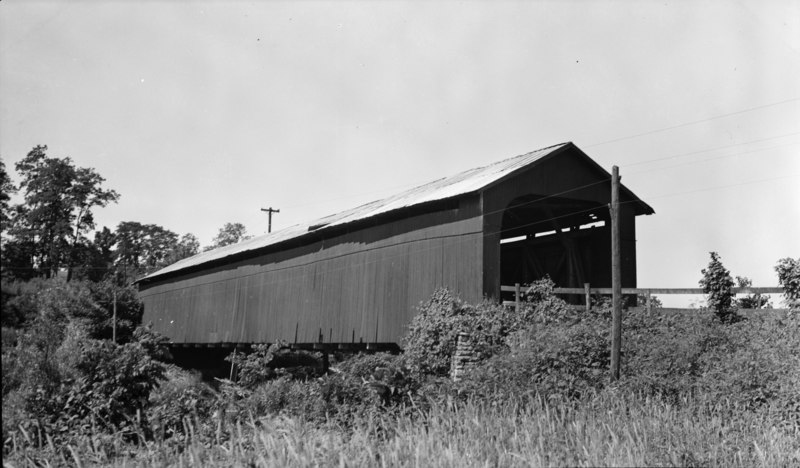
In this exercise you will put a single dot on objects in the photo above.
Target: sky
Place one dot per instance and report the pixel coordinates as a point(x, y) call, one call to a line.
point(202, 113)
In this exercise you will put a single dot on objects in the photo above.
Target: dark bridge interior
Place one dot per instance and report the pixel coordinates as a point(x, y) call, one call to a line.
point(565, 239)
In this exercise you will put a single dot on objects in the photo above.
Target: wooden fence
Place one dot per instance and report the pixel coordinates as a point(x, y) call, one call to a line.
point(587, 292)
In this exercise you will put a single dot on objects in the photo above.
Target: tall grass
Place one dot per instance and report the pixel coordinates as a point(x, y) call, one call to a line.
point(613, 428)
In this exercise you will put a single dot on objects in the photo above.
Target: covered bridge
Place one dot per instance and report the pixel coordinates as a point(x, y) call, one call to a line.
point(356, 277)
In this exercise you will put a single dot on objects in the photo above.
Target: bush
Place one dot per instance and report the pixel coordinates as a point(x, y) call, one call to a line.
point(665, 354)
point(430, 342)
point(750, 365)
point(563, 359)
point(129, 310)
point(115, 381)
point(18, 301)
point(751, 301)
point(74, 385)
point(335, 398)
point(179, 396)
point(755, 363)
point(59, 300)
point(268, 362)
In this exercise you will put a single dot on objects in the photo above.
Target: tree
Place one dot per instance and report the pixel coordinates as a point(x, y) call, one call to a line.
point(187, 246)
point(717, 284)
point(95, 261)
point(230, 233)
point(59, 199)
point(6, 190)
point(788, 270)
point(144, 248)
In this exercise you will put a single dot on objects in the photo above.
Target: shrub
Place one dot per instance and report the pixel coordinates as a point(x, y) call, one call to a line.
point(335, 398)
point(751, 301)
point(717, 284)
point(129, 310)
point(267, 362)
point(365, 365)
point(59, 300)
point(18, 302)
point(755, 363)
point(562, 359)
point(180, 395)
point(665, 354)
point(115, 382)
point(540, 304)
point(749, 365)
point(431, 338)
point(432, 335)
point(76, 385)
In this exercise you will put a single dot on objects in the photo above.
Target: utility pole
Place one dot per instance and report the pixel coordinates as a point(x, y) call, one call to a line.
point(616, 274)
point(269, 213)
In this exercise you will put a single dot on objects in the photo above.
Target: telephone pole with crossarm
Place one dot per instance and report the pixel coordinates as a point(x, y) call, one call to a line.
point(269, 213)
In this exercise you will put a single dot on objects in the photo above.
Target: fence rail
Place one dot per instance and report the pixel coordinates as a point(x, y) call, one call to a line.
point(587, 291)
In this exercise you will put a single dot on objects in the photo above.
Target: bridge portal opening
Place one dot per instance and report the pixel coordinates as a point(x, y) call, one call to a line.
point(566, 239)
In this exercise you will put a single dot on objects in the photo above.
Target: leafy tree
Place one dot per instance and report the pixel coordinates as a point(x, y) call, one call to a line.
point(717, 284)
point(144, 248)
point(6, 190)
point(99, 263)
point(19, 252)
point(788, 270)
point(230, 233)
point(187, 246)
point(59, 199)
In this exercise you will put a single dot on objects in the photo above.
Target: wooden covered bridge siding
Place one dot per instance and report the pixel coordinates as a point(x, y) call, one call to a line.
point(360, 286)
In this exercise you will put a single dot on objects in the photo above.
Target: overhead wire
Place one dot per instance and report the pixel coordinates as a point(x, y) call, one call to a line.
point(708, 150)
point(694, 122)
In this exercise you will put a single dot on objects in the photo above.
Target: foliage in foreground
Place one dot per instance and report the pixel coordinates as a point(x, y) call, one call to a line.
point(81, 385)
point(695, 391)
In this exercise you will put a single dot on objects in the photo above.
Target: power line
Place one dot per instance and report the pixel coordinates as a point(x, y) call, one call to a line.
point(694, 122)
point(675, 156)
point(742, 153)
point(719, 187)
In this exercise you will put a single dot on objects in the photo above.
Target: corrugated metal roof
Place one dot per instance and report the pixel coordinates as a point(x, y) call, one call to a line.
point(461, 184)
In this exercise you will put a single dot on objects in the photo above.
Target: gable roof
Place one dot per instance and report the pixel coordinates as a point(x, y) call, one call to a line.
point(461, 184)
